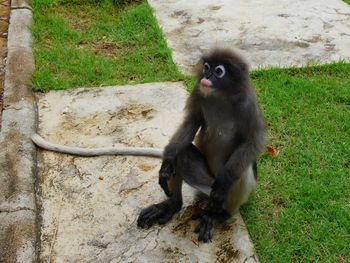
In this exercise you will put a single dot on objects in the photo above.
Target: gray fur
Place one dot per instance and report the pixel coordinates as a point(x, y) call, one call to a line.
point(222, 162)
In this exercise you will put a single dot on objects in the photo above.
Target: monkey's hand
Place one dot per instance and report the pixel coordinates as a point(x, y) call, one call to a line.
point(217, 197)
point(167, 170)
point(208, 220)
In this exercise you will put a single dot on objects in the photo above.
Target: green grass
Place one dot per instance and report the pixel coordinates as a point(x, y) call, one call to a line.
point(103, 44)
point(347, 1)
point(301, 210)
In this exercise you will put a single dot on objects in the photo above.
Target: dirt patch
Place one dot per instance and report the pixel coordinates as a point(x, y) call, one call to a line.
point(279, 204)
point(108, 48)
point(14, 237)
point(4, 23)
point(135, 112)
point(10, 184)
point(226, 250)
point(184, 226)
point(146, 167)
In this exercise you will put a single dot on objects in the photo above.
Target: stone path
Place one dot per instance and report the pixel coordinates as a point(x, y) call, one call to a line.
point(90, 205)
point(87, 206)
point(269, 33)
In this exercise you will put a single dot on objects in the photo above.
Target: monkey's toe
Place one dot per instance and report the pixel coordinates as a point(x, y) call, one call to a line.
point(157, 214)
point(205, 229)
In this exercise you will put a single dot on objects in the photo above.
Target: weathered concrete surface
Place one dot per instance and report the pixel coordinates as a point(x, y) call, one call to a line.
point(16, 234)
point(4, 22)
point(18, 119)
point(90, 205)
point(17, 153)
point(21, 4)
point(278, 33)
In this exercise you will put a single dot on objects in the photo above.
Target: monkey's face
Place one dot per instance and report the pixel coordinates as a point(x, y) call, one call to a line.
point(223, 75)
point(212, 77)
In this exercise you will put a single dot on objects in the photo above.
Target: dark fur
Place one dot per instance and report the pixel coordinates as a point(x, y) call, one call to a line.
point(231, 135)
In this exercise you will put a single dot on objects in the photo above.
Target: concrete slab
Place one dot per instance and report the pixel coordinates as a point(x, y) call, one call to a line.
point(89, 206)
point(18, 233)
point(269, 33)
point(16, 236)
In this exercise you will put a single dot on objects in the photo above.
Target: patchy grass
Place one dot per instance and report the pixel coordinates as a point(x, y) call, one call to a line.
point(301, 210)
point(98, 44)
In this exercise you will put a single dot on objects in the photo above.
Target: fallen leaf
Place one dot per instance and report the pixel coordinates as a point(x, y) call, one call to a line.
point(101, 178)
point(194, 241)
point(97, 71)
point(271, 151)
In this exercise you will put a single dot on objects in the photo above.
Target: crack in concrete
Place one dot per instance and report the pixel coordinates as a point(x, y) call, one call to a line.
point(21, 8)
point(10, 210)
point(253, 257)
point(10, 107)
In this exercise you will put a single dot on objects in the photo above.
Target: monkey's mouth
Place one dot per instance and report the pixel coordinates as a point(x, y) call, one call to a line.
point(206, 86)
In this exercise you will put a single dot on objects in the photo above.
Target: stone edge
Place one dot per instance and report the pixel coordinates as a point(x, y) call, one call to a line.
point(18, 224)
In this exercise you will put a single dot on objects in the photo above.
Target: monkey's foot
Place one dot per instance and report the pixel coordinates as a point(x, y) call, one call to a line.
point(158, 213)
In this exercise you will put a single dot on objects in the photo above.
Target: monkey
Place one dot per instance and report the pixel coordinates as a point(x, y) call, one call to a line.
point(215, 149)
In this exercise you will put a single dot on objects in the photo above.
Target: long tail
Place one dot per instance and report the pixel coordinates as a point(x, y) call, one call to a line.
point(141, 151)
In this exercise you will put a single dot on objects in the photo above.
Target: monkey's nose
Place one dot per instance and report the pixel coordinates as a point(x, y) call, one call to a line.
point(206, 82)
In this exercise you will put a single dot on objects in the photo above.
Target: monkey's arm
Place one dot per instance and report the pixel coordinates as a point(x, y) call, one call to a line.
point(184, 135)
point(182, 138)
point(244, 155)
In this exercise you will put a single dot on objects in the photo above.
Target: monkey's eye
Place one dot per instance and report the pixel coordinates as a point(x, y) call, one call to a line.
point(206, 67)
point(220, 71)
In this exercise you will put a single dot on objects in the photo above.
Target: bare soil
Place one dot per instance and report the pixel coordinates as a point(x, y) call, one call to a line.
point(4, 22)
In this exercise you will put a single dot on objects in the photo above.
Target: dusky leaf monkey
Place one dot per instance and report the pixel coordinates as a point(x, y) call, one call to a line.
point(221, 159)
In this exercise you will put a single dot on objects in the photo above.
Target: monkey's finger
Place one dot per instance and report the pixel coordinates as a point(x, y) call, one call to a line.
point(147, 216)
point(141, 222)
point(203, 228)
point(206, 230)
point(141, 219)
point(201, 233)
point(197, 215)
point(208, 233)
point(198, 227)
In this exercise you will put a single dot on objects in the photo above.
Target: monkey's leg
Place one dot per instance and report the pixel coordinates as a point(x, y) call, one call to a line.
point(162, 212)
point(190, 166)
point(241, 190)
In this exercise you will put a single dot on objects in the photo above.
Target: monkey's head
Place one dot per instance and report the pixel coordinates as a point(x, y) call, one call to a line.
point(222, 71)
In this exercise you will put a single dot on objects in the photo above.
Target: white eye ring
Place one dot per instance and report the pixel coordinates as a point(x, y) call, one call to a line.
point(206, 67)
point(220, 71)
